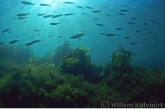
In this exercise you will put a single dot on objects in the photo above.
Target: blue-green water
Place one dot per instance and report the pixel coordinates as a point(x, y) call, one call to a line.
point(147, 32)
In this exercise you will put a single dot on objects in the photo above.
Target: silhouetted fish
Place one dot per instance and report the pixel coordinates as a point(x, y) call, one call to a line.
point(75, 36)
point(126, 38)
point(55, 16)
point(131, 23)
point(23, 14)
point(119, 28)
point(103, 33)
point(27, 3)
point(133, 43)
point(99, 24)
point(121, 14)
point(1, 43)
point(21, 18)
point(59, 36)
point(134, 18)
point(89, 7)
point(124, 10)
point(46, 16)
point(35, 41)
point(153, 21)
point(138, 31)
point(13, 41)
point(108, 15)
point(96, 11)
point(41, 14)
point(54, 23)
point(37, 30)
point(28, 44)
point(69, 2)
point(45, 5)
point(143, 43)
point(51, 35)
point(96, 18)
point(69, 14)
point(111, 34)
point(5, 30)
point(80, 7)
point(145, 23)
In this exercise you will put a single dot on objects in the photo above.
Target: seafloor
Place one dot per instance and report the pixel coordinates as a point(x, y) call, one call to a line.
point(66, 77)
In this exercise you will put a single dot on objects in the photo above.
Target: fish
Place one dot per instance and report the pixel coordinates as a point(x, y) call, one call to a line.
point(24, 21)
point(69, 2)
point(59, 36)
point(153, 21)
point(99, 24)
point(108, 15)
point(27, 3)
point(28, 44)
point(45, 5)
point(80, 34)
point(55, 16)
point(51, 35)
point(9, 31)
point(124, 10)
point(37, 30)
point(23, 34)
point(96, 11)
point(133, 43)
point(46, 16)
point(103, 33)
point(143, 43)
point(74, 37)
point(77, 36)
point(134, 18)
point(145, 23)
point(84, 13)
point(68, 14)
point(21, 18)
point(89, 7)
point(80, 7)
point(1, 43)
point(96, 18)
point(111, 34)
point(126, 38)
point(131, 23)
point(119, 28)
point(13, 41)
point(54, 23)
point(121, 14)
point(138, 31)
point(35, 41)
point(150, 32)
point(41, 14)
point(23, 14)
point(6, 30)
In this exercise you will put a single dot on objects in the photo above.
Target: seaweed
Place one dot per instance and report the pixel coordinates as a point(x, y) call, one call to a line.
point(79, 82)
point(121, 60)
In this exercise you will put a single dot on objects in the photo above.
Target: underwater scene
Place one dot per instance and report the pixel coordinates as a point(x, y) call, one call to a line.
point(82, 53)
